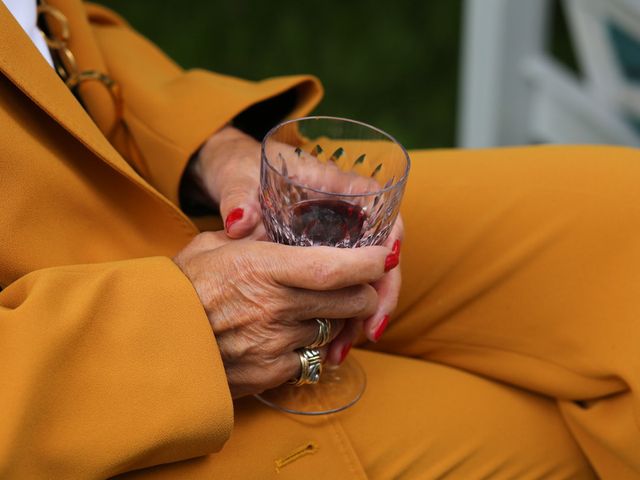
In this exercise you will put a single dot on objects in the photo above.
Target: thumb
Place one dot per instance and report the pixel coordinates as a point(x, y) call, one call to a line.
point(239, 206)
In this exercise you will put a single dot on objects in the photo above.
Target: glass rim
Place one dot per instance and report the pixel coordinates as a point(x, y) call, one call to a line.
point(393, 186)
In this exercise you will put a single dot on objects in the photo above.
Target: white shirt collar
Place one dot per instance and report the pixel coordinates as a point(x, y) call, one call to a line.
point(24, 12)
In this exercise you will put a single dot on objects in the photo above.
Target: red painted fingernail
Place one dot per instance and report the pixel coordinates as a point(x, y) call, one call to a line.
point(396, 247)
point(391, 261)
point(234, 215)
point(344, 352)
point(381, 328)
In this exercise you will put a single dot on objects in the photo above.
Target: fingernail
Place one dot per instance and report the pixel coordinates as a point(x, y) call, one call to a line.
point(234, 215)
point(344, 352)
point(396, 247)
point(391, 261)
point(381, 328)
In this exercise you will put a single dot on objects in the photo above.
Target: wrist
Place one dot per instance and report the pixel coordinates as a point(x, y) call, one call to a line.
point(222, 137)
point(226, 154)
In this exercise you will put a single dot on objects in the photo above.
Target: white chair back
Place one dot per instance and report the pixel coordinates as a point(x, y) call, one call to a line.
point(514, 92)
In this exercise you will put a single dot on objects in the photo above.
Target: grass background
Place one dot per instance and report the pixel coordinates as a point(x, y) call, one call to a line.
point(395, 66)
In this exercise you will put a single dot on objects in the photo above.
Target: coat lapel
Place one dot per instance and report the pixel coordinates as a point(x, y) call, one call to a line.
point(24, 66)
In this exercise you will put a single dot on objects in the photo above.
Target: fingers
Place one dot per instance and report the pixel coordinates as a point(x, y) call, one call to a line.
point(388, 289)
point(292, 367)
point(341, 345)
point(230, 168)
point(359, 301)
point(258, 377)
point(324, 268)
point(306, 333)
point(239, 206)
point(296, 330)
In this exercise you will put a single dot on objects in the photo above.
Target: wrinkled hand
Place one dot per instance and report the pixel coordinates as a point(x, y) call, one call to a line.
point(261, 297)
point(229, 166)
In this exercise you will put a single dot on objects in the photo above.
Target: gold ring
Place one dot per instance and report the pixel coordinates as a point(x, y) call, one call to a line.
point(324, 333)
point(310, 367)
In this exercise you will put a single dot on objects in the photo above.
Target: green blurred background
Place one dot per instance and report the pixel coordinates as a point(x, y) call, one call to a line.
point(395, 66)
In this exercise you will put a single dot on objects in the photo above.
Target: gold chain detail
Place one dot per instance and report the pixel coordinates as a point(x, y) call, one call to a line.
point(65, 62)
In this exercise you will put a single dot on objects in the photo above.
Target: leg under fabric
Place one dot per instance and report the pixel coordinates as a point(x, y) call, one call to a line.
point(420, 420)
point(417, 420)
point(523, 265)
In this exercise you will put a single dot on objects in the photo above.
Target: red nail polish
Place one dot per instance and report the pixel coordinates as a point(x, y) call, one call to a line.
point(344, 352)
point(381, 328)
point(234, 215)
point(391, 261)
point(396, 247)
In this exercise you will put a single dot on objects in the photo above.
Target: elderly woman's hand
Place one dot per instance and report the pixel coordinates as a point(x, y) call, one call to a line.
point(261, 297)
point(229, 168)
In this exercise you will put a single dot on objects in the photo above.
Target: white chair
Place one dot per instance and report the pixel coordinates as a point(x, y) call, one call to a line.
point(514, 92)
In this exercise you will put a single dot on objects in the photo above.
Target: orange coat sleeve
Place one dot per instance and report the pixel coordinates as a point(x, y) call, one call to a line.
point(117, 359)
point(170, 112)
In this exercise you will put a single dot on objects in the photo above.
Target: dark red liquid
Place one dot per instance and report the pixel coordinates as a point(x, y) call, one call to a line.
point(328, 222)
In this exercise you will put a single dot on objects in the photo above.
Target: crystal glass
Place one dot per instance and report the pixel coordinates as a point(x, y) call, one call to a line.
point(332, 182)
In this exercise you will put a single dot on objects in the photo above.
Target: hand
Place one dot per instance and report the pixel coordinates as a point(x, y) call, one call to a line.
point(230, 168)
point(388, 290)
point(260, 296)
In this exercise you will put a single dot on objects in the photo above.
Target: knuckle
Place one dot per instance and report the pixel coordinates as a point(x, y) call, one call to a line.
point(306, 307)
point(369, 299)
point(204, 241)
point(226, 351)
point(361, 299)
point(288, 365)
point(204, 238)
point(261, 343)
point(260, 374)
point(268, 340)
point(324, 274)
point(274, 308)
point(268, 374)
point(235, 349)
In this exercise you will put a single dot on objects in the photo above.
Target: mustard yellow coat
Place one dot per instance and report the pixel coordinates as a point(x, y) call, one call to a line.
point(93, 313)
point(521, 267)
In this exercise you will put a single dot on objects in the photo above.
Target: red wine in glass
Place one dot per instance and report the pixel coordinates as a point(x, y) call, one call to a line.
point(328, 222)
